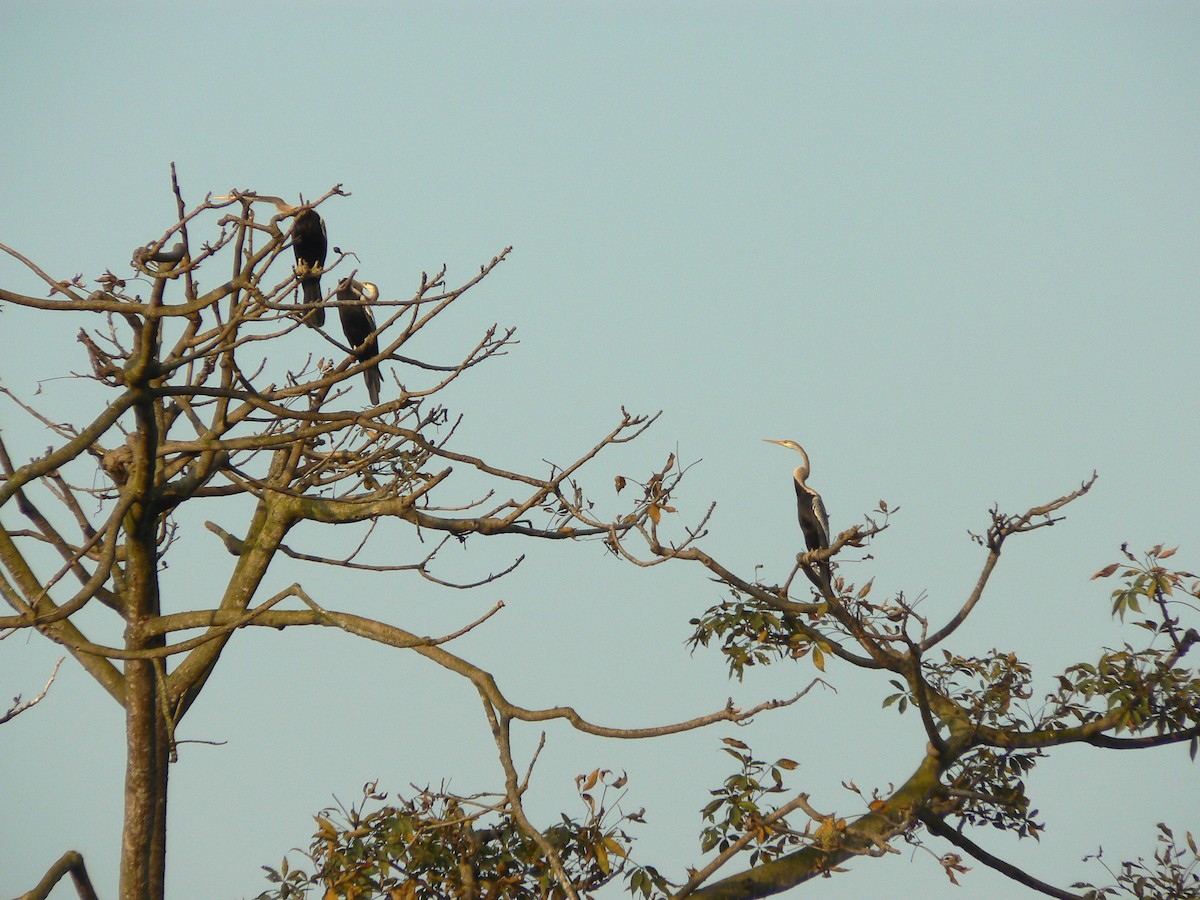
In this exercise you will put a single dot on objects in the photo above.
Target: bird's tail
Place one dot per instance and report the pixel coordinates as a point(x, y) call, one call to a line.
point(820, 573)
point(312, 296)
point(826, 572)
point(374, 383)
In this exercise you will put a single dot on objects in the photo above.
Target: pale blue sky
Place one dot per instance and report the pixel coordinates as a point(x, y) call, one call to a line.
point(952, 249)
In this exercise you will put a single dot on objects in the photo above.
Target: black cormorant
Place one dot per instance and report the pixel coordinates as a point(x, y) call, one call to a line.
point(310, 244)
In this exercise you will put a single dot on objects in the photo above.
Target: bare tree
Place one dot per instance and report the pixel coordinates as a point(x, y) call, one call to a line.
point(198, 409)
point(200, 414)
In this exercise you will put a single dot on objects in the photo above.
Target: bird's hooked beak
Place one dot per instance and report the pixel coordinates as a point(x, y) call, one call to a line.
point(370, 291)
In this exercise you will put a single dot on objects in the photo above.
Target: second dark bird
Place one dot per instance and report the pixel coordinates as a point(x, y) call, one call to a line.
point(357, 324)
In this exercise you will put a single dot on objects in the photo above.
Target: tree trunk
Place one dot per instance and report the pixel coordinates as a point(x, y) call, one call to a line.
point(144, 837)
point(144, 841)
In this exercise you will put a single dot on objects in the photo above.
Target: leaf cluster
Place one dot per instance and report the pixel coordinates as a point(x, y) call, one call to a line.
point(437, 845)
point(1140, 689)
point(987, 787)
point(751, 633)
point(1143, 690)
point(990, 689)
point(738, 809)
point(1171, 874)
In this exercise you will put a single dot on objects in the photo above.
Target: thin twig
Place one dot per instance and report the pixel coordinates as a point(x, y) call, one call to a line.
point(18, 707)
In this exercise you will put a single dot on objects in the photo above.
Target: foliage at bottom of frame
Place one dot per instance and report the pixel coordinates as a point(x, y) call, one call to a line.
point(437, 844)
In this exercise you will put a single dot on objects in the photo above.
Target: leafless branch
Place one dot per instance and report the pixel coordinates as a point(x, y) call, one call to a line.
point(1002, 526)
point(19, 707)
point(70, 863)
point(500, 732)
point(941, 829)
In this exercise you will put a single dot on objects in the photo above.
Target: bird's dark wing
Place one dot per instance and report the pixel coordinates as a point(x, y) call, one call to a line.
point(357, 323)
point(818, 506)
point(814, 522)
point(310, 242)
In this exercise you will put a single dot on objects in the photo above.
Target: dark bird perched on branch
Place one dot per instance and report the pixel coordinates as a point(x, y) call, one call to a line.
point(810, 508)
point(358, 323)
point(310, 243)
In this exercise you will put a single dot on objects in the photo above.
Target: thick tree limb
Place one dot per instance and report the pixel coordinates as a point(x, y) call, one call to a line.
point(868, 832)
point(70, 863)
